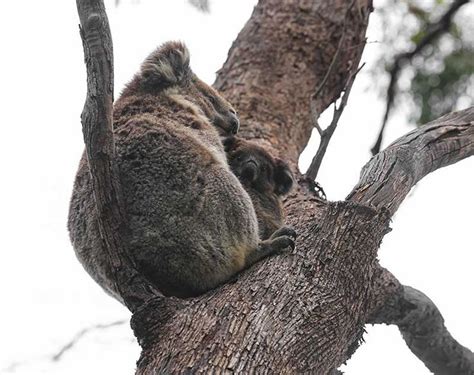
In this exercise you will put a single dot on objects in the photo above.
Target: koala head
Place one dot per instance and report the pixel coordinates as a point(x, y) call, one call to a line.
point(265, 178)
point(167, 70)
point(256, 168)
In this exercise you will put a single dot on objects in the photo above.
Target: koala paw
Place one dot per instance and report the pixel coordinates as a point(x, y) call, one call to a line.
point(284, 231)
point(283, 238)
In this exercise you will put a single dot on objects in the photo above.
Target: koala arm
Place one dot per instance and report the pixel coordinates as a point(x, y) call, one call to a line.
point(282, 238)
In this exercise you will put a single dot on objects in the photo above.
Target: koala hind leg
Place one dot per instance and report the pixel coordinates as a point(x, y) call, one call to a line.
point(281, 239)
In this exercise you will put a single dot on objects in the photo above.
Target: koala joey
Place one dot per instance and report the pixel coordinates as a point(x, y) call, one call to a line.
point(266, 179)
point(191, 224)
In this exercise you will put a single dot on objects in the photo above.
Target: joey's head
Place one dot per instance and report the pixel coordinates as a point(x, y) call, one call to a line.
point(256, 168)
point(167, 70)
point(266, 178)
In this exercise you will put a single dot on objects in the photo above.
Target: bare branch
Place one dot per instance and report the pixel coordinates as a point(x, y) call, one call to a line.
point(422, 327)
point(56, 357)
point(327, 133)
point(100, 149)
point(433, 32)
point(388, 177)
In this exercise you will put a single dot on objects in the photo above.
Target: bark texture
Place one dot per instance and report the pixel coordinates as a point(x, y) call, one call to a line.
point(100, 148)
point(281, 57)
point(422, 327)
point(388, 177)
point(299, 312)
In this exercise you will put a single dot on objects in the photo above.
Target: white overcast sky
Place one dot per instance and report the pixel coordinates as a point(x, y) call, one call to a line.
point(47, 297)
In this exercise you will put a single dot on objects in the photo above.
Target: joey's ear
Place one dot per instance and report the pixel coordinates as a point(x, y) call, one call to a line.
point(230, 143)
point(283, 178)
point(168, 65)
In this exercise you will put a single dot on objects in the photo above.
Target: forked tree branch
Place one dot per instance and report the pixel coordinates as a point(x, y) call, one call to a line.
point(422, 327)
point(327, 133)
point(388, 177)
point(433, 32)
point(100, 149)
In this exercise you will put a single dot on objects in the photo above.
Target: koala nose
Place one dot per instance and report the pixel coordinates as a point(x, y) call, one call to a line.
point(234, 123)
point(249, 171)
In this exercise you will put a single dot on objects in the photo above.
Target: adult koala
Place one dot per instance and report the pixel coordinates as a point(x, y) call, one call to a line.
point(192, 225)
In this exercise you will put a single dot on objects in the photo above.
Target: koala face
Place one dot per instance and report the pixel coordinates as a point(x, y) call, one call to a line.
point(257, 169)
point(167, 70)
point(215, 107)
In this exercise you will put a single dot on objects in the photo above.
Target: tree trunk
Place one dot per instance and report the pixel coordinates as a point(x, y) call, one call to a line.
point(304, 311)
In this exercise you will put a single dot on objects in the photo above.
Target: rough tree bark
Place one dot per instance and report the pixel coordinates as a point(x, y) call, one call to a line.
point(300, 312)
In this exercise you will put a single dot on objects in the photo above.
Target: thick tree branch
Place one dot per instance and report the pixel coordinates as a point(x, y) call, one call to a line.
point(294, 313)
point(281, 56)
point(388, 177)
point(98, 137)
point(422, 327)
point(432, 33)
point(298, 312)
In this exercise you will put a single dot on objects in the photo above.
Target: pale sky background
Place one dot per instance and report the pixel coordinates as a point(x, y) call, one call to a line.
point(46, 295)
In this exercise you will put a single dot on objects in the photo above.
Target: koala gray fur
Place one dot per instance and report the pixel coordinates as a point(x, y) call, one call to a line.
point(192, 225)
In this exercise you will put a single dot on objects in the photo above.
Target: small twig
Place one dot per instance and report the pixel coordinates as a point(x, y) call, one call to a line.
point(12, 367)
point(327, 133)
point(433, 32)
point(56, 357)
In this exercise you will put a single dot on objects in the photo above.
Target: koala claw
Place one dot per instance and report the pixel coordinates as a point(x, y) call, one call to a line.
point(281, 240)
point(284, 231)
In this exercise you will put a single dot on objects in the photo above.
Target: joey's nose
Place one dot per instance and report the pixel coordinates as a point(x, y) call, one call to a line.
point(234, 123)
point(249, 171)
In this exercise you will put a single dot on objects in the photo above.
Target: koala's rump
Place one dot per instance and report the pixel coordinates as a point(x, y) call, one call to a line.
point(192, 222)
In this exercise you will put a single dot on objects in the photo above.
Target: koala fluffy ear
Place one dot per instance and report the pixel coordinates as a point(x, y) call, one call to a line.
point(230, 143)
point(283, 178)
point(167, 66)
